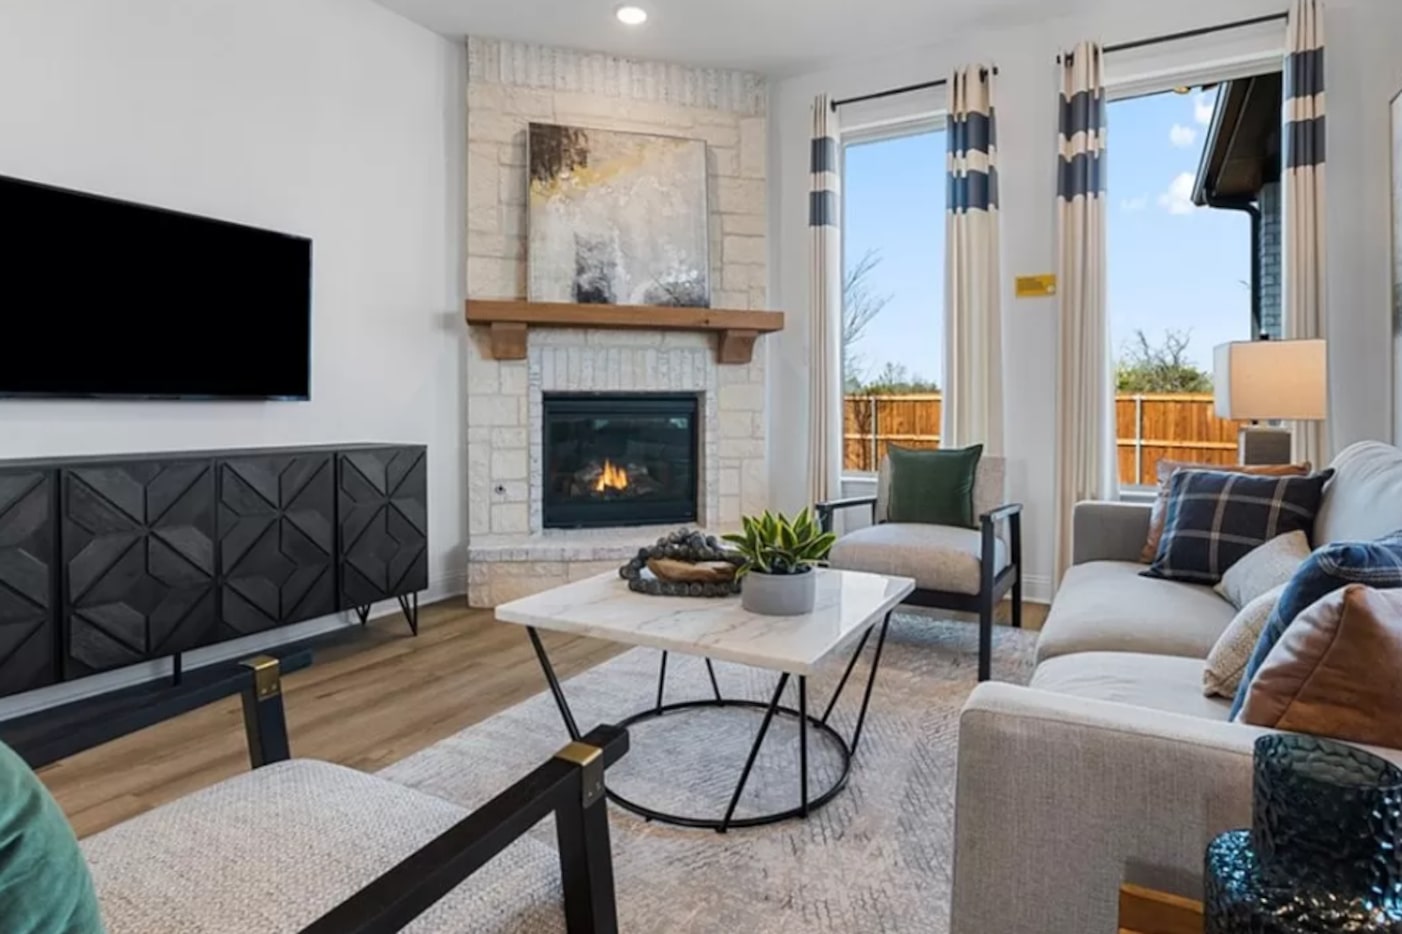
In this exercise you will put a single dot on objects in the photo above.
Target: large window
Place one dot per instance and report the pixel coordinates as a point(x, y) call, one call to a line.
point(893, 293)
point(1181, 277)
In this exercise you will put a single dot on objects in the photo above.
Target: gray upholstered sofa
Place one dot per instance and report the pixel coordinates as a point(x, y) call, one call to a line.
point(1111, 766)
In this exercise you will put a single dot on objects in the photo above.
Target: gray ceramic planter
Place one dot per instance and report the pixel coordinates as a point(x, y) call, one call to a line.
point(779, 594)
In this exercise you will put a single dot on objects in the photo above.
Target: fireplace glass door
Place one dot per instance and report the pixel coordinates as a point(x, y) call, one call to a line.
point(615, 460)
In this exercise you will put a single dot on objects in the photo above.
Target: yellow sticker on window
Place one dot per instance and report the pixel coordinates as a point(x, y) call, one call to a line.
point(1036, 286)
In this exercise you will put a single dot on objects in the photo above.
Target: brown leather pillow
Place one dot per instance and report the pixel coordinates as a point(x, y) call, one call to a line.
point(1334, 671)
point(1167, 469)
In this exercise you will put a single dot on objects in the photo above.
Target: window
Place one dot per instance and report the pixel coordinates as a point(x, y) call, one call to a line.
point(893, 293)
point(1191, 198)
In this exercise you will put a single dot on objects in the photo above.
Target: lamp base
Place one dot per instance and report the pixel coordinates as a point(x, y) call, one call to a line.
point(1259, 445)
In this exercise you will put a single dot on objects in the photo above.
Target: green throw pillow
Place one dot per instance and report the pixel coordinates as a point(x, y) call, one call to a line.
point(45, 887)
point(933, 487)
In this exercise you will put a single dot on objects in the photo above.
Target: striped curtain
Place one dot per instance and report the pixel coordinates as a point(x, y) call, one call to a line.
point(1084, 413)
point(825, 317)
point(1303, 187)
point(973, 346)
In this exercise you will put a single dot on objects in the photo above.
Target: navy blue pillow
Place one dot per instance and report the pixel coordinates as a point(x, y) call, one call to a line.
point(1377, 564)
point(1214, 519)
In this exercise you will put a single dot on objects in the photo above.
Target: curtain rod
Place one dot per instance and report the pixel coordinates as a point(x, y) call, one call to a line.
point(1068, 57)
point(1186, 34)
point(923, 86)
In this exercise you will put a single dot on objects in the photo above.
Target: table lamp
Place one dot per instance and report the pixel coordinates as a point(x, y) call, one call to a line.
point(1255, 381)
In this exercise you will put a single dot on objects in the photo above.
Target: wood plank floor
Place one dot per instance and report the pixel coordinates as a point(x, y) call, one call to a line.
point(364, 705)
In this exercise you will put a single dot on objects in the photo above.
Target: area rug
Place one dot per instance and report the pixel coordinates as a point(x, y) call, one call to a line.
point(876, 859)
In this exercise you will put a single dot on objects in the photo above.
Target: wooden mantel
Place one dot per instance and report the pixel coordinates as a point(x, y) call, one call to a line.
point(510, 320)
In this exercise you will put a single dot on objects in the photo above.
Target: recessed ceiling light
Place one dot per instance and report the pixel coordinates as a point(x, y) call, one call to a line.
point(630, 15)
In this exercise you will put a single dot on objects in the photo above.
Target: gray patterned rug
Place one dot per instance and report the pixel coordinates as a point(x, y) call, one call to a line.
point(876, 859)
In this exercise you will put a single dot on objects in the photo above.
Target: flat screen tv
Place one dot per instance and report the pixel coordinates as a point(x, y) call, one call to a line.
point(105, 298)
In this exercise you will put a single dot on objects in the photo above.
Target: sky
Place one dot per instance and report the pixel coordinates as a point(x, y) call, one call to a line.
point(1171, 265)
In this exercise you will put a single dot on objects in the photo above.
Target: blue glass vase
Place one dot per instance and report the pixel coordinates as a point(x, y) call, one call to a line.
point(1324, 852)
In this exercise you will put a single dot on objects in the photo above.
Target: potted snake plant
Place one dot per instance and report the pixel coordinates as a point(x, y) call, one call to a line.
point(780, 555)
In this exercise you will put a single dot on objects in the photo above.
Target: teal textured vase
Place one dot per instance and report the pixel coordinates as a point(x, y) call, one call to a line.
point(1324, 852)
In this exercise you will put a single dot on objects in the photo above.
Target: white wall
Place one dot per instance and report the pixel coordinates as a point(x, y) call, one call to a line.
point(334, 119)
point(1363, 74)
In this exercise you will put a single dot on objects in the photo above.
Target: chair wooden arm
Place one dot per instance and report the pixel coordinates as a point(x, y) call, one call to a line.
point(825, 510)
point(1005, 511)
point(56, 733)
point(1012, 512)
point(570, 786)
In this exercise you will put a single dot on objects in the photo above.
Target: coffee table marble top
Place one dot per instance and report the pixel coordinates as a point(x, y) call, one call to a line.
point(849, 602)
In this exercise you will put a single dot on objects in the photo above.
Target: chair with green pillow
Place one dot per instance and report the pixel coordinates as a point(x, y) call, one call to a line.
point(939, 517)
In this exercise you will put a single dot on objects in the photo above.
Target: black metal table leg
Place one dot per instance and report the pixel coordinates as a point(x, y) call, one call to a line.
point(773, 707)
point(871, 682)
point(661, 683)
point(554, 683)
point(803, 744)
point(754, 752)
point(715, 685)
point(851, 663)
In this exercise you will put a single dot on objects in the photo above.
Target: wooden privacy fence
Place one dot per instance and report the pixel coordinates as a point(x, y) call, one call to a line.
point(871, 424)
point(1148, 428)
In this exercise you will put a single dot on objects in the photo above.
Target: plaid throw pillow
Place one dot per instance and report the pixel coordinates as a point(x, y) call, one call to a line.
point(1214, 519)
point(1377, 564)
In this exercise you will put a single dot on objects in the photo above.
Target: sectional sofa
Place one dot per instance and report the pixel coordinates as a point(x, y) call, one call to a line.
point(1111, 766)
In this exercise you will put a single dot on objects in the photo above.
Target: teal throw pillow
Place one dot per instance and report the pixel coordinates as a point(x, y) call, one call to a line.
point(45, 887)
point(933, 487)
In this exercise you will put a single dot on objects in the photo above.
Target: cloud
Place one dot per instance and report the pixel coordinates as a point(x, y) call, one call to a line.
point(1132, 205)
point(1178, 199)
point(1203, 106)
point(1182, 136)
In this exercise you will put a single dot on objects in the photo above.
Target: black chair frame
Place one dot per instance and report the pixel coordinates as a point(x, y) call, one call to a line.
point(993, 587)
point(569, 786)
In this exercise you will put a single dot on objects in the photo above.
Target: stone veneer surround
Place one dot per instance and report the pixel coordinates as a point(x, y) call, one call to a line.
point(562, 365)
point(510, 85)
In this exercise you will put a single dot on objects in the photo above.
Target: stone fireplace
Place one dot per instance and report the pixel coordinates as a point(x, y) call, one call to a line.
point(527, 533)
point(619, 460)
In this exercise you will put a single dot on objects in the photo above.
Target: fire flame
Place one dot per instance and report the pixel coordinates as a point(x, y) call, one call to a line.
point(612, 478)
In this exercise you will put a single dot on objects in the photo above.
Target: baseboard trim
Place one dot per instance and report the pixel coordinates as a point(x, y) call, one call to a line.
point(450, 585)
point(1037, 588)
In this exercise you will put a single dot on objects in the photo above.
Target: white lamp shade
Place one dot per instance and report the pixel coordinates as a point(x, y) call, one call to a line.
point(1263, 380)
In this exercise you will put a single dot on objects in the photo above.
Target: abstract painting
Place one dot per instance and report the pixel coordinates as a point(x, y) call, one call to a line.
point(617, 218)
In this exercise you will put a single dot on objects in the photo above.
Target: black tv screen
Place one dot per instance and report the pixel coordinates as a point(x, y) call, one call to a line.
point(100, 297)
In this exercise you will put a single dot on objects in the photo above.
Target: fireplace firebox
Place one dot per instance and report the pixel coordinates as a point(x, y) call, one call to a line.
point(614, 460)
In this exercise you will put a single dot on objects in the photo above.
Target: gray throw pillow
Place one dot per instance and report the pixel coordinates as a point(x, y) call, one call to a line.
point(1265, 568)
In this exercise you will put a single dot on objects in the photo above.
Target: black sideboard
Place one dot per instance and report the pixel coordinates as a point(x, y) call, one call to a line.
point(111, 561)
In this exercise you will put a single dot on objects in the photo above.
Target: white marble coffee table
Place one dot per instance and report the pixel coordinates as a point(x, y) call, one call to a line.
point(849, 605)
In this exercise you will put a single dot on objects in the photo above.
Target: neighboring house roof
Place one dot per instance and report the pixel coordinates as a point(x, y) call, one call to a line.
point(1242, 151)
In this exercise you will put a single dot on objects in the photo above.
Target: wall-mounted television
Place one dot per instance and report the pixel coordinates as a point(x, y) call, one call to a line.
point(106, 298)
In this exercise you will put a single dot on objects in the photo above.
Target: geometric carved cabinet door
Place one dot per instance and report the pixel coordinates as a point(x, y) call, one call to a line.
point(382, 496)
point(27, 542)
point(138, 560)
point(277, 541)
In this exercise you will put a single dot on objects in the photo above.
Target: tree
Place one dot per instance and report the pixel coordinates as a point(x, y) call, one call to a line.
point(860, 306)
point(896, 379)
point(1145, 367)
